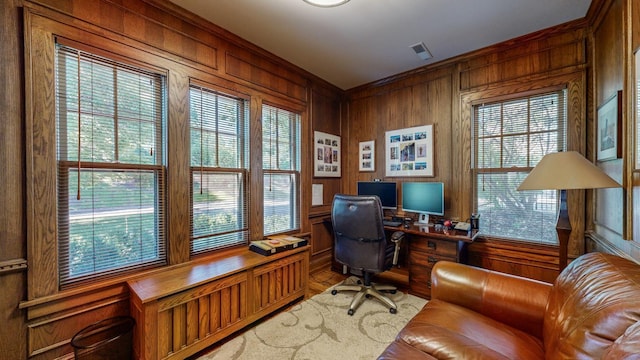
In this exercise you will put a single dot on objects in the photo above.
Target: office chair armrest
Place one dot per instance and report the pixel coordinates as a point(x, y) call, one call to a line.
point(396, 238)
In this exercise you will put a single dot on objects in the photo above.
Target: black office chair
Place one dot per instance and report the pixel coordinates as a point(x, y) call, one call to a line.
point(361, 245)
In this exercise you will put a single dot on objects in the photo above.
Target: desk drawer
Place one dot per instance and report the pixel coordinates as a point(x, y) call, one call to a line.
point(420, 265)
point(420, 281)
point(435, 246)
point(417, 258)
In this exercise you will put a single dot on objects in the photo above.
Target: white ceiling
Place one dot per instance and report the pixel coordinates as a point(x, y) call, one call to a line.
point(367, 40)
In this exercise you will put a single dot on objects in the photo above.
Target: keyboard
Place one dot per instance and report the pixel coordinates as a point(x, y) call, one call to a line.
point(391, 223)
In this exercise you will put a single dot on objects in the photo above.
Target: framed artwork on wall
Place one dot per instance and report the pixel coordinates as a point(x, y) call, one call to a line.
point(326, 155)
point(367, 156)
point(409, 152)
point(608, 129)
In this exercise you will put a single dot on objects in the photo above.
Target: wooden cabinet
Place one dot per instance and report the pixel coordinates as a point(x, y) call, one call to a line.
point(181, 311)
point(426, 248)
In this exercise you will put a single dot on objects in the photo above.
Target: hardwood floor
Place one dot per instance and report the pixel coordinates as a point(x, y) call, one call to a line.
point(321, 280)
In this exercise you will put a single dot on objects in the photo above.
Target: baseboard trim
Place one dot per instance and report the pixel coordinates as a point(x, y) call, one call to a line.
point(604, 245)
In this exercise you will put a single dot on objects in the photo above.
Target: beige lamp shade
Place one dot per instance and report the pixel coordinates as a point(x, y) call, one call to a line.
point(565, 171)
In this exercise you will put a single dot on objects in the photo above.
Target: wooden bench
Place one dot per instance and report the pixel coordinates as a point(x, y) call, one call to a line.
point(185, 309)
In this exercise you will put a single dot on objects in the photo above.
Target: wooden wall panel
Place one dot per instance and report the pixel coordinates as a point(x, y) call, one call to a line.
point(54, 323)
point(608, 54)
point(142, 22)
point(609, 46)
point(419, 103)
point(13, 254)
point(179, 161)
point(369, 127)
point(546, 51)
point(325, 116)
point(321, 242)
point(635, 26)
point(266, 75)
point(12, 137)
point(41, 160)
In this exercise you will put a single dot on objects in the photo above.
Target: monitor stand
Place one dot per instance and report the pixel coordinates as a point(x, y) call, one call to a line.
point(423, 219)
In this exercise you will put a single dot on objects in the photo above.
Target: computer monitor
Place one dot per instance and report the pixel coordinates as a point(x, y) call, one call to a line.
point(424, 198)
point(385, 190)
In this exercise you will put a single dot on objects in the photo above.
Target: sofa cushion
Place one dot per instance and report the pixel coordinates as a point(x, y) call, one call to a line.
point(401, 350)
point(592, 303)
point(447, 331)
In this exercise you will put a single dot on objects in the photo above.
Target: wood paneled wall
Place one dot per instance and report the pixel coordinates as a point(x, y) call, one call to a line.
point(186, 49)
point(615, 37)
point(13, 255)
point(419, 100)
point(326, 117)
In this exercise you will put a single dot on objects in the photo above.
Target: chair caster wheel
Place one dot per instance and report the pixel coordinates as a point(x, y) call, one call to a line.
point(368, 296)
point(350, 312)
point(393, 311)
point(333, 292)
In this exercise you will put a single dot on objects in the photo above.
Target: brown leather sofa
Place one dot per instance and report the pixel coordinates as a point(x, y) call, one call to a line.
point(592, 311)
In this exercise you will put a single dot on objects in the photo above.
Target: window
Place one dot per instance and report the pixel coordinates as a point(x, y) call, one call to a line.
point(510, 138)
point(109, 123)
point(280, 161)
point(219, 162)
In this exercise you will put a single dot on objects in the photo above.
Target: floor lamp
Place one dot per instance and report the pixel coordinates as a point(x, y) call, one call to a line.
point(565, 171)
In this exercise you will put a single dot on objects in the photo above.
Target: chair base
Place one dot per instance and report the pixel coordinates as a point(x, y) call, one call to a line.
point(367, 291)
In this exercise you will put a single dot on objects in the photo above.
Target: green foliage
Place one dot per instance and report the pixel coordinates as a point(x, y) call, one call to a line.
point(111, 243)
point(277, 223)
point(205, 223)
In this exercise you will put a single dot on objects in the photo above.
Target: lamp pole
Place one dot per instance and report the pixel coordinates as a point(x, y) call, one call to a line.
point(563, 228)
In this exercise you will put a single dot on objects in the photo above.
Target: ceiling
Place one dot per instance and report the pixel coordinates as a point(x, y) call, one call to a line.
point(367, 40)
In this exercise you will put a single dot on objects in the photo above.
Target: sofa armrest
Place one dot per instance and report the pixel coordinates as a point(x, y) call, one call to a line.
point(516, 301)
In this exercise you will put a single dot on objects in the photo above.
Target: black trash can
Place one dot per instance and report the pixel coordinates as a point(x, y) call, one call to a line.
point(108, 339)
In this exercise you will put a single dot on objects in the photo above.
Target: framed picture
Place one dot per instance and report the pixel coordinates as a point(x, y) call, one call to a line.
point(367, 155)
point(409, 152)
point(327, 155)
point(609, 129)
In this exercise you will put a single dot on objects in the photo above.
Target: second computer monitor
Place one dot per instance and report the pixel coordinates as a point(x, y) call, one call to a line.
point(385, 190)
point(424, 198)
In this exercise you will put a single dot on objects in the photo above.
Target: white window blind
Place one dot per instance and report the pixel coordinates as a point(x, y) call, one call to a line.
point(509, 139)
point(110, 119)
point(219, 166)
point(281, 166)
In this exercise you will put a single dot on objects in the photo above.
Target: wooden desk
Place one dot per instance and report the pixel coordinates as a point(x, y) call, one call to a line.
point(428, 246)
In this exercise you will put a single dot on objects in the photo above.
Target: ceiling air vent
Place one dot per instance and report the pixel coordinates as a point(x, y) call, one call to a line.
point(422, 51)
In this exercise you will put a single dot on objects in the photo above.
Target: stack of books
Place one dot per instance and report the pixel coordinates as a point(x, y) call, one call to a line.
point(276, 244)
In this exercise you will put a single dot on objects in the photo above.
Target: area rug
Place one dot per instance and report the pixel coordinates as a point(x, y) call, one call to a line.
point(320, 328)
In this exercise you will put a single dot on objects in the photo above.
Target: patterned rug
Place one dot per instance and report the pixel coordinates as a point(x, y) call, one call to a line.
point(319, 328)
